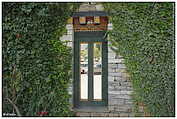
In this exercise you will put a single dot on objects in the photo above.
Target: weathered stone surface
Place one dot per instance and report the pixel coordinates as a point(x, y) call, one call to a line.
point(113, 65)
point(126, 84)
point(98, 114)
point(115, 74)
point(111, 55)
point(83, 114)
point(131, 115)
point(120, 86)
point(124, 114)
point(121, 70)
point(117, 102)
point(113, 84)
point(141, 109)
point(128, 101)
point(117, 88)
point(129, 87)
point(115, 78)
point(111, 108)
point(69, 44)
point(106, 115)
point(121, 66)
point(125, 75)
point(120, 92)
point(111, 96)
point(111, 114)
point(116, 114)
point(140, 114)
point(122, 96)
point(123, 108)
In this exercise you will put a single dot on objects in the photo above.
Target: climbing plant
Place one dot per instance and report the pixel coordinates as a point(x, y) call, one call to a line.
point(36, 64)
point(144, 34)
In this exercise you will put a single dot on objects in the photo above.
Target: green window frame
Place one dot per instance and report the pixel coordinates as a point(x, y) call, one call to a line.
point(90, 38)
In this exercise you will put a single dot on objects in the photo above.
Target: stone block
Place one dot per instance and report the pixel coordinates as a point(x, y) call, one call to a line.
point(110, 108)
point(115, 74)
point(139, 114)
point(120, 79)
point(83, 114)
point(127, 84)
point(106, 114)
point(110, 78)
point(131, 115)
point(99, 114)
point(121, 92)
point(122, 96)
point(114, 70)
point(121, 66)
point(126, 75)
point(129, 110)
point(124, 114)
point(122, 61)
point(113, 65)
point(115, 78)
point(116, 114)
point(111, 55)
point(115, 89)
point(141, 109)
point(113, 84)
point(112, 60)
point(111, 114)
point(117, 101)
point(128, 101)
point(119, 88)
point(111, 96)
point(121, 70)
point(129, 87)
point(69, 44)
point(123, 108)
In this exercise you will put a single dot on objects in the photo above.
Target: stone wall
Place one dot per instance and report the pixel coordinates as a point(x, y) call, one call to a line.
point(120, 103)
point(119, 86)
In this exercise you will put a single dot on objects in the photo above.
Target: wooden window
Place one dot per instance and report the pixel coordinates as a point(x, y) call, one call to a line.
point(90, 69)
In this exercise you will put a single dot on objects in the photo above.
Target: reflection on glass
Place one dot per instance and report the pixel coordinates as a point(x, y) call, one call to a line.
point(97, 71)
point(84, 71)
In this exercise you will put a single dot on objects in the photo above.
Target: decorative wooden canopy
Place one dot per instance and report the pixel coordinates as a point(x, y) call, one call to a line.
point(90, 21)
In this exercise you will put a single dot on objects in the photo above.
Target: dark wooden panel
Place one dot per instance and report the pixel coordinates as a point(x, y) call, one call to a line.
point(90, 71)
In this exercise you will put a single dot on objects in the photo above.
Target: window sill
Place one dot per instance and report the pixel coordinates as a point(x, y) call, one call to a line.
point(91, 109)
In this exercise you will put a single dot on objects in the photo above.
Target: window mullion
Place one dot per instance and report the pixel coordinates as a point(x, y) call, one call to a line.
point(90, 71)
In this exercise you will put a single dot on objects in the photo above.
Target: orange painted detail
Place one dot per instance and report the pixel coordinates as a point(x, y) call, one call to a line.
point(96, 20)
point(82, 20)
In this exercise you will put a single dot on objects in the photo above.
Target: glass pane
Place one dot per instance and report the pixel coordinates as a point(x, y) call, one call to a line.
point(84, 71)
point(97, 71)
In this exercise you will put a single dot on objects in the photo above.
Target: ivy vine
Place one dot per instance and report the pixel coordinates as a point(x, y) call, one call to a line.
point(144, 34)
point(36, 64)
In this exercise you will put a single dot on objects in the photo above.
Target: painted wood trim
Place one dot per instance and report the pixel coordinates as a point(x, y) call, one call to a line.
point(90, 71)
point(85, 37)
